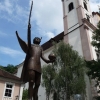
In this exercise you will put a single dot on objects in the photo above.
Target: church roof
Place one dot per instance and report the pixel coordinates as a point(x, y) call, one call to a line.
point(48, 44)
point(5, 74)
point(94, 13)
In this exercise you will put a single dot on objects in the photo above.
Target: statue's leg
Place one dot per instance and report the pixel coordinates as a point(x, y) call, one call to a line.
point(31, 83)
point(37, 84)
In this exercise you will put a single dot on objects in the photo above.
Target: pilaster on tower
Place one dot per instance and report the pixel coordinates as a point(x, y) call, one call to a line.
point(65, 22)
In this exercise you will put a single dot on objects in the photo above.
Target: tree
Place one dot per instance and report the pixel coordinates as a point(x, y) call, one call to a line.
point(9, 68)
point(1, 67)
point(94, 65)
point(96, 41)
point(48, 73)
point(69, 72)
point(25, 95)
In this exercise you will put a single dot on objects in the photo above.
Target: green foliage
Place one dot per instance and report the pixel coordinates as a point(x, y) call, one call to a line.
point(48, 76)
point(97, 98)
point(67, 72)
point(96, 37)
point(25, 95)
point(1, 67)
point(94, 65)
point(94, 70)
point(96, 41)
point(9, 68)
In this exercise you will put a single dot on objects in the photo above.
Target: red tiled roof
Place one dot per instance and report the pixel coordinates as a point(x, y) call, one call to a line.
point(8, 75)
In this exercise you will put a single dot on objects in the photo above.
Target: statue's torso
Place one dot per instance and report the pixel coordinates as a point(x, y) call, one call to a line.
point(34, 58)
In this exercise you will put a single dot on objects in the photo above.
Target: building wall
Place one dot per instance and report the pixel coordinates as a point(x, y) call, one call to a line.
point(18, 74)
point(75, 41)
point(2, 90)
point(96, 19)
point(16, 90)
point(2, 86)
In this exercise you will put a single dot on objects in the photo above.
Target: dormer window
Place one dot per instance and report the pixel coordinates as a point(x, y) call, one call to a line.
point(71, 6)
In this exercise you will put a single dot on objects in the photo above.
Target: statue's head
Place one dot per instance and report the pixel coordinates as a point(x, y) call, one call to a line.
point(36, 40)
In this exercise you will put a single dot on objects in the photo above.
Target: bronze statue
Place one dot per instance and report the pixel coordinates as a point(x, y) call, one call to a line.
point(32, 66)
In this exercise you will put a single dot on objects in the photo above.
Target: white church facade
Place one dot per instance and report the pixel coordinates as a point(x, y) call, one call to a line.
point(79, 24)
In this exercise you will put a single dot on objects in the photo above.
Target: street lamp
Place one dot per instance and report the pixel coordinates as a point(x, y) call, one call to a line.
point(77, 97)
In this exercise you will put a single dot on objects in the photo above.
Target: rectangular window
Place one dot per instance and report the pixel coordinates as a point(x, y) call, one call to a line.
point(8, 90)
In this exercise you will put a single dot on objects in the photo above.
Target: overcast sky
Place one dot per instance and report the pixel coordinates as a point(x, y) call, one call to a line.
point(46, 21)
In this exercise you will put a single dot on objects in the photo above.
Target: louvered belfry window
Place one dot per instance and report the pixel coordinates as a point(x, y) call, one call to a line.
point(71, 6)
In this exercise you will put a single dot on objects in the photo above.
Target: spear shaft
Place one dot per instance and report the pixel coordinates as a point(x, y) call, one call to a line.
point(29, 28)
point(30, 13)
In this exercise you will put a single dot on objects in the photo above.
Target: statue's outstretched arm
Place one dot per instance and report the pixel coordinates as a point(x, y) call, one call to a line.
point(22, 43)
point(51, 57)
point(44, 59)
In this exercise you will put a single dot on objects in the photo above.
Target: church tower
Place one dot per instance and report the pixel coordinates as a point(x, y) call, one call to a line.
point(79, 26)
point(78, 30)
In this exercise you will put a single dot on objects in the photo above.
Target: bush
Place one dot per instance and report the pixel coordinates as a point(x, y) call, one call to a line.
point(25, 95)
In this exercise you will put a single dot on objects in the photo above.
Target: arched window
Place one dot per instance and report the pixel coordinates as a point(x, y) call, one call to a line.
point(85, 6)
point(71, 6)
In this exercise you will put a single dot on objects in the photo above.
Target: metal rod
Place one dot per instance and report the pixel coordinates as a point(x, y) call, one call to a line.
point(30, 12)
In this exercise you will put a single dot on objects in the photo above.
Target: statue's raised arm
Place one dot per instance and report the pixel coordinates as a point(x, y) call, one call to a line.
point(22, 43)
